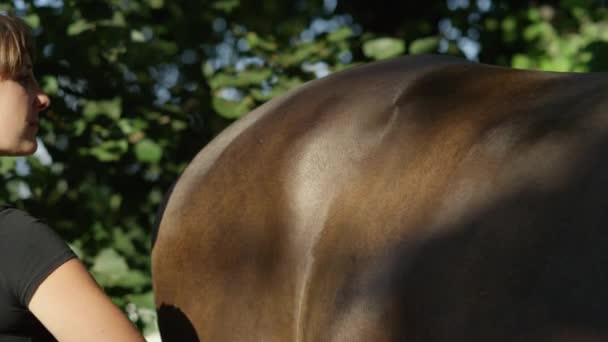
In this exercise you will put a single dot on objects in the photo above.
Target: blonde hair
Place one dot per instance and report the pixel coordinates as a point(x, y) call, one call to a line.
point(16, 45)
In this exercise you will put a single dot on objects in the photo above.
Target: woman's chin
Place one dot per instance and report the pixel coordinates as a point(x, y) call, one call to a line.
point(29, 148)
point(24, 149)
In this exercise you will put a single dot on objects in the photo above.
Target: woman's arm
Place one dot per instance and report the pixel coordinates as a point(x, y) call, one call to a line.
point(71, 305)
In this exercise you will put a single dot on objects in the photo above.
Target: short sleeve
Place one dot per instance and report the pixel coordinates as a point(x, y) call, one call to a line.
point(29, 251)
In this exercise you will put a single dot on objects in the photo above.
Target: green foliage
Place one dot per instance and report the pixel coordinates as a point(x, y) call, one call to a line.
point(110, 108)
point(226, 5)
point(232, 109)
point(573, 43)
point(424, 45)
point(382, 48)
point(148, 151)
point(341, 34)
point(111, 270)
point(79, 27)
point(245, 78)
point(6, 164)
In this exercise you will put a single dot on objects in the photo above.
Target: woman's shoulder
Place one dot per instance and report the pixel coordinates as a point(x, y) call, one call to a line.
point(12, 218)
point(10, 209)
point(6, 206)
point(29, 251)
point(20, 230)
point(19, 226)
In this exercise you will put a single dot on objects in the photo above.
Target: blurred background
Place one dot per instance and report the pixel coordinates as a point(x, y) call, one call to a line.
point(138, 87)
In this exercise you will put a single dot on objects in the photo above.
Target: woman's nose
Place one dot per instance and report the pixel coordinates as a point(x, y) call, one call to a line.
point(42, 101)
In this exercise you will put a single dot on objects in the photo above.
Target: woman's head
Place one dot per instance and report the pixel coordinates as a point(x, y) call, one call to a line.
point(16, 45)
point(21, 99)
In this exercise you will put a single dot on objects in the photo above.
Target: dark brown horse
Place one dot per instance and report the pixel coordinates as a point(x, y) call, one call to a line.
point(418, 199)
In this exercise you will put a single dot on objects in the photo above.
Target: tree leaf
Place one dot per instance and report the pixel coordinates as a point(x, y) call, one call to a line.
point(424, 45)
point(78, 27)
point(155, 4)
point(302, 52)
point(50, 85)
point(7, 164)
point(232, 109)
point(255, 41)
point(109, 264)
point(382, 48)
point(241, 79)
point(340, 34)
point(107, 151)
point(226, 5)
point(148, 151)
point(111, 270)
point(137, 36)
point(33, 20)
point(521, 61)
point(110, 108)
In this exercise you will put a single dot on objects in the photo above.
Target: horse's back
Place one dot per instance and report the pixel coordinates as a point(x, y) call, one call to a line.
point(423, 198)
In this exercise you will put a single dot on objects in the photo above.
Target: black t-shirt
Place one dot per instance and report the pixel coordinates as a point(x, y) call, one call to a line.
point(29, 252)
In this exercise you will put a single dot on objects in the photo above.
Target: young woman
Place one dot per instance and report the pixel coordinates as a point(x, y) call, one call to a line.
point(45, 291)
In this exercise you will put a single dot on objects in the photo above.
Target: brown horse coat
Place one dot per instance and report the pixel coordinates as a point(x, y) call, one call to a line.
point(423, 198)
